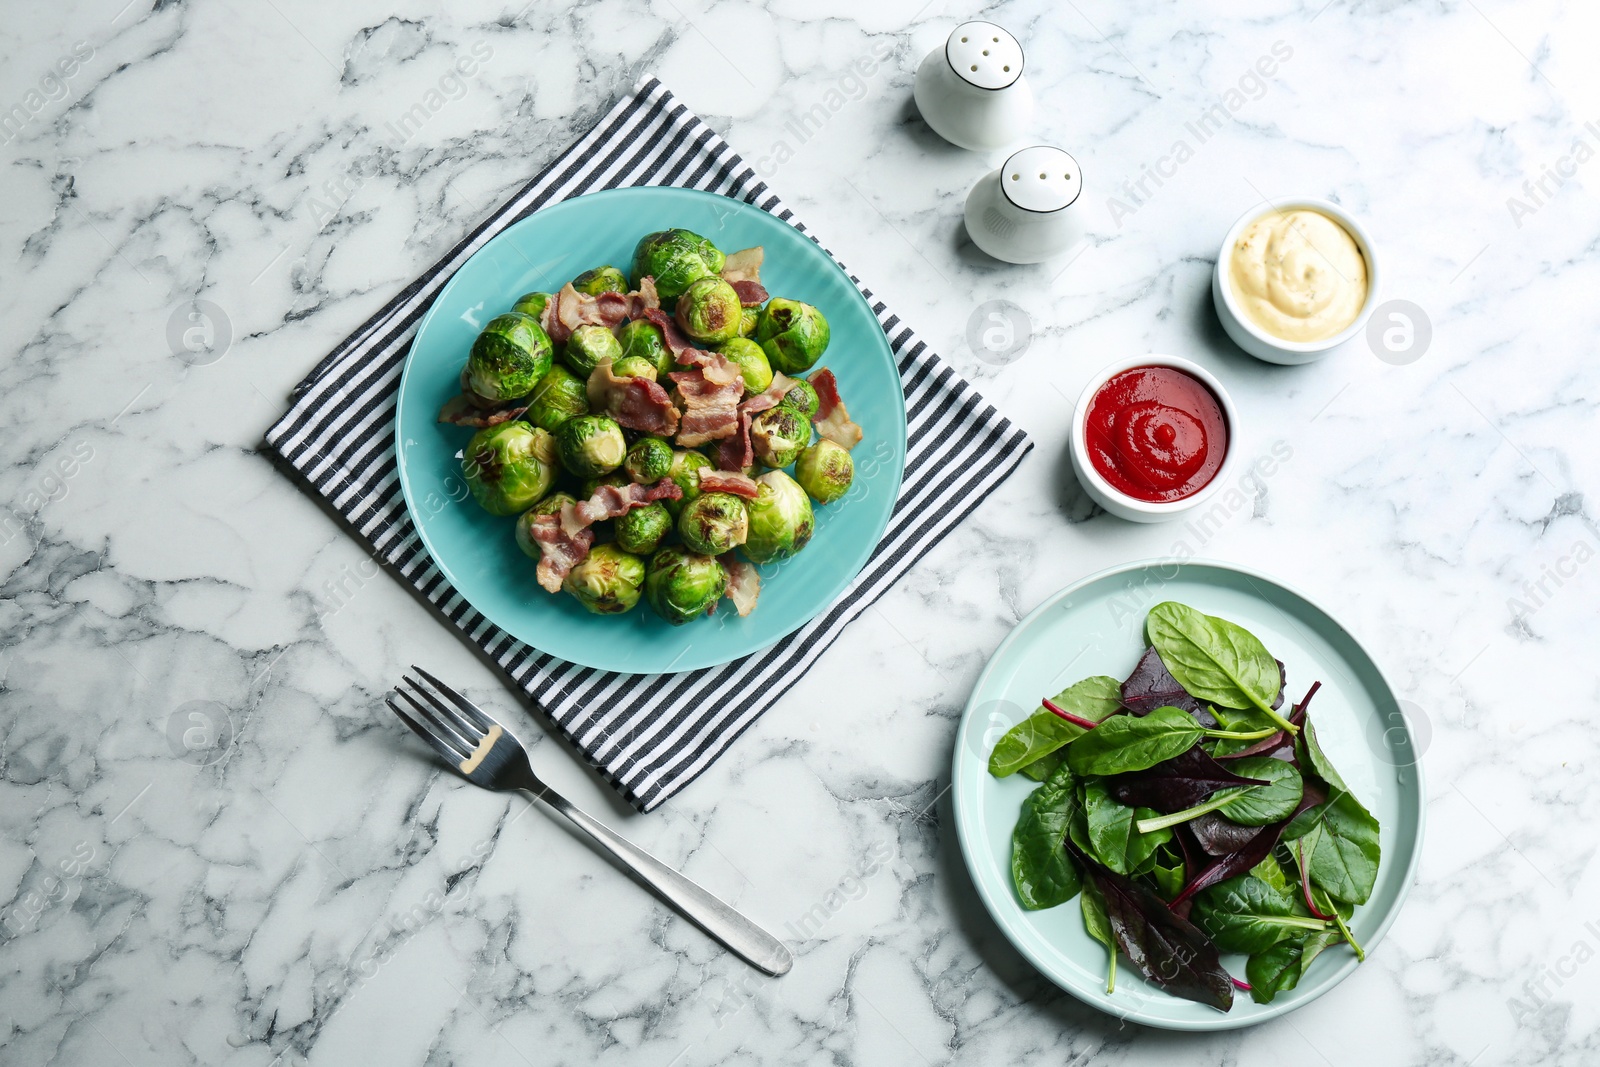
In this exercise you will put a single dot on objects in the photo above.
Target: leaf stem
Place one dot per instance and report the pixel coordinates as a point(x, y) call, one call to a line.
point(1111, 971)
point(1161, 822)
point(1076, 720)
point(1241, 735)
point(1355, 946)
point(1272, 713)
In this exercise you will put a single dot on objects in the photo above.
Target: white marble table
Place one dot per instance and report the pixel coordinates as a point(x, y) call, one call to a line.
point(311, 888)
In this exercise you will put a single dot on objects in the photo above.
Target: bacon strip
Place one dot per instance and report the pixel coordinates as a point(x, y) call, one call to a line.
point(751, 294)
point(643, 298)
point(465, 409)
point(710, 409)
point(637, 403)
point(736, 453)
point(744, 584)
point(719, 369)
point(712, 480)
point(569, 309)
point(833, 421)
point(559, 551)
point(743, 265)
point(614, 501)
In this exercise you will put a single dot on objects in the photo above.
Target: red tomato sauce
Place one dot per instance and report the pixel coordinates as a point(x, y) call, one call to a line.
point(1156, 433)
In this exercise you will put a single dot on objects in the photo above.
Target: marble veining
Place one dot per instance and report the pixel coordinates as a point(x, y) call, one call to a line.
point(215, 845)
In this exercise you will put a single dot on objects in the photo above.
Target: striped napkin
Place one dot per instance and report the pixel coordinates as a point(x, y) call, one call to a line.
point(649, 735)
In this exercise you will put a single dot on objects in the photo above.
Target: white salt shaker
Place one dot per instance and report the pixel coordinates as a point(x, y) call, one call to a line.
point(971, 91)
point(1022, 213)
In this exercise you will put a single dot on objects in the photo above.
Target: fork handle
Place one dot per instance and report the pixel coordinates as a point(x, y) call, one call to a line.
point(742, 937)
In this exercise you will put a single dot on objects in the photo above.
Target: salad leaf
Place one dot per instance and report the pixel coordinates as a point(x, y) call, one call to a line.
point(1044, 732)
point(1263, 804)
point(1255, 805)
point(1180, 782)
point(1044, 766)
point(1344, 849)
point(1341, 836)
point(1152, 686)
point(1099, 927)
point(1041, 870)
point(1125, 743)
point(1216, 660)
point(1112, 839)
point(1280, 966)
point(1245, 914)
point(1167, 951)
point(1218, 835)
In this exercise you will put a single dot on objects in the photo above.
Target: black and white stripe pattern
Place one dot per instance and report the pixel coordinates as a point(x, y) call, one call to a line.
point(650, 735)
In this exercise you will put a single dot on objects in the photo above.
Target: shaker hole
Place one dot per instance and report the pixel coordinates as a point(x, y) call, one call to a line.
point(1007, 68)
point(963, 40)
point(1014, 177)
point(974, 66)
point(1041, 175)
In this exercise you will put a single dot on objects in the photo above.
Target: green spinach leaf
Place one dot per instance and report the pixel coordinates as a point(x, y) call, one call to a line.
point(1259, 805)
point(1245, 914)
point(1044, 766)
point(1041, 870)
point(1344, 850)
point(1044, 732)
point(1215, 660)
point(1125, 743)
point(1099, 927)
point(1279, 967)
point(1112, 839)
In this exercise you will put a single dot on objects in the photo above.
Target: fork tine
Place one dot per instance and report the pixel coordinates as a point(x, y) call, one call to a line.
point(438, 726)
point(437, 744)
point(458, 721)
point(473, 712)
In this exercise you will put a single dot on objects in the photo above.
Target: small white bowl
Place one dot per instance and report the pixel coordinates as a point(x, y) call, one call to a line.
point(1114, 500)
point(1252, 338)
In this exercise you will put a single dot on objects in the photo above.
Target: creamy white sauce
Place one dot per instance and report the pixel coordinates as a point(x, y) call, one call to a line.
point(1298, 275)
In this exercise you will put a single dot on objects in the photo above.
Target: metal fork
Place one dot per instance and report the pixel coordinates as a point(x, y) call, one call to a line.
point(488, 755)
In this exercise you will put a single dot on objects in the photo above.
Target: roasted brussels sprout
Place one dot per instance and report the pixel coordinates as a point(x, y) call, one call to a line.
point(802, 397)
point(708, 311)
point(648, 461)
point(682, 586)
point(634, 367)
point(675, 259)
point(748, 317)
point(509, 467)
point(713, 523)
point(752, 363)
point(642, 338)
point(605, 279)
point(825, 471)
point(781, 522)
point(588, 347)
point(794, 334)
point(607, 581)
point(777, 436)
point(685, 470)
point(559, 396)
point(549, 505)
point(531, 304)
point(509, 357)
point(591, 445)
point(641, 530)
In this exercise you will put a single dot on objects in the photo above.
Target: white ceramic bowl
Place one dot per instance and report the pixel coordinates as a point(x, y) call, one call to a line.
point(1114, 500)
point(1252, 338)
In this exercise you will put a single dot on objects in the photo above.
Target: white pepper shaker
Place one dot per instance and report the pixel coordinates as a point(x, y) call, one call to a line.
point(972, 91)
point(1022, 213)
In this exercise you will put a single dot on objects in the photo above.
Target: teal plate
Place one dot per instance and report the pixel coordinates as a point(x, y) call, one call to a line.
point(476, 551)
point(1097, 627)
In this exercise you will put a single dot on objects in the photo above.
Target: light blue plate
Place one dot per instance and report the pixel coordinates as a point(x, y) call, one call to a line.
point(1097, 627)
point(477, 551)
